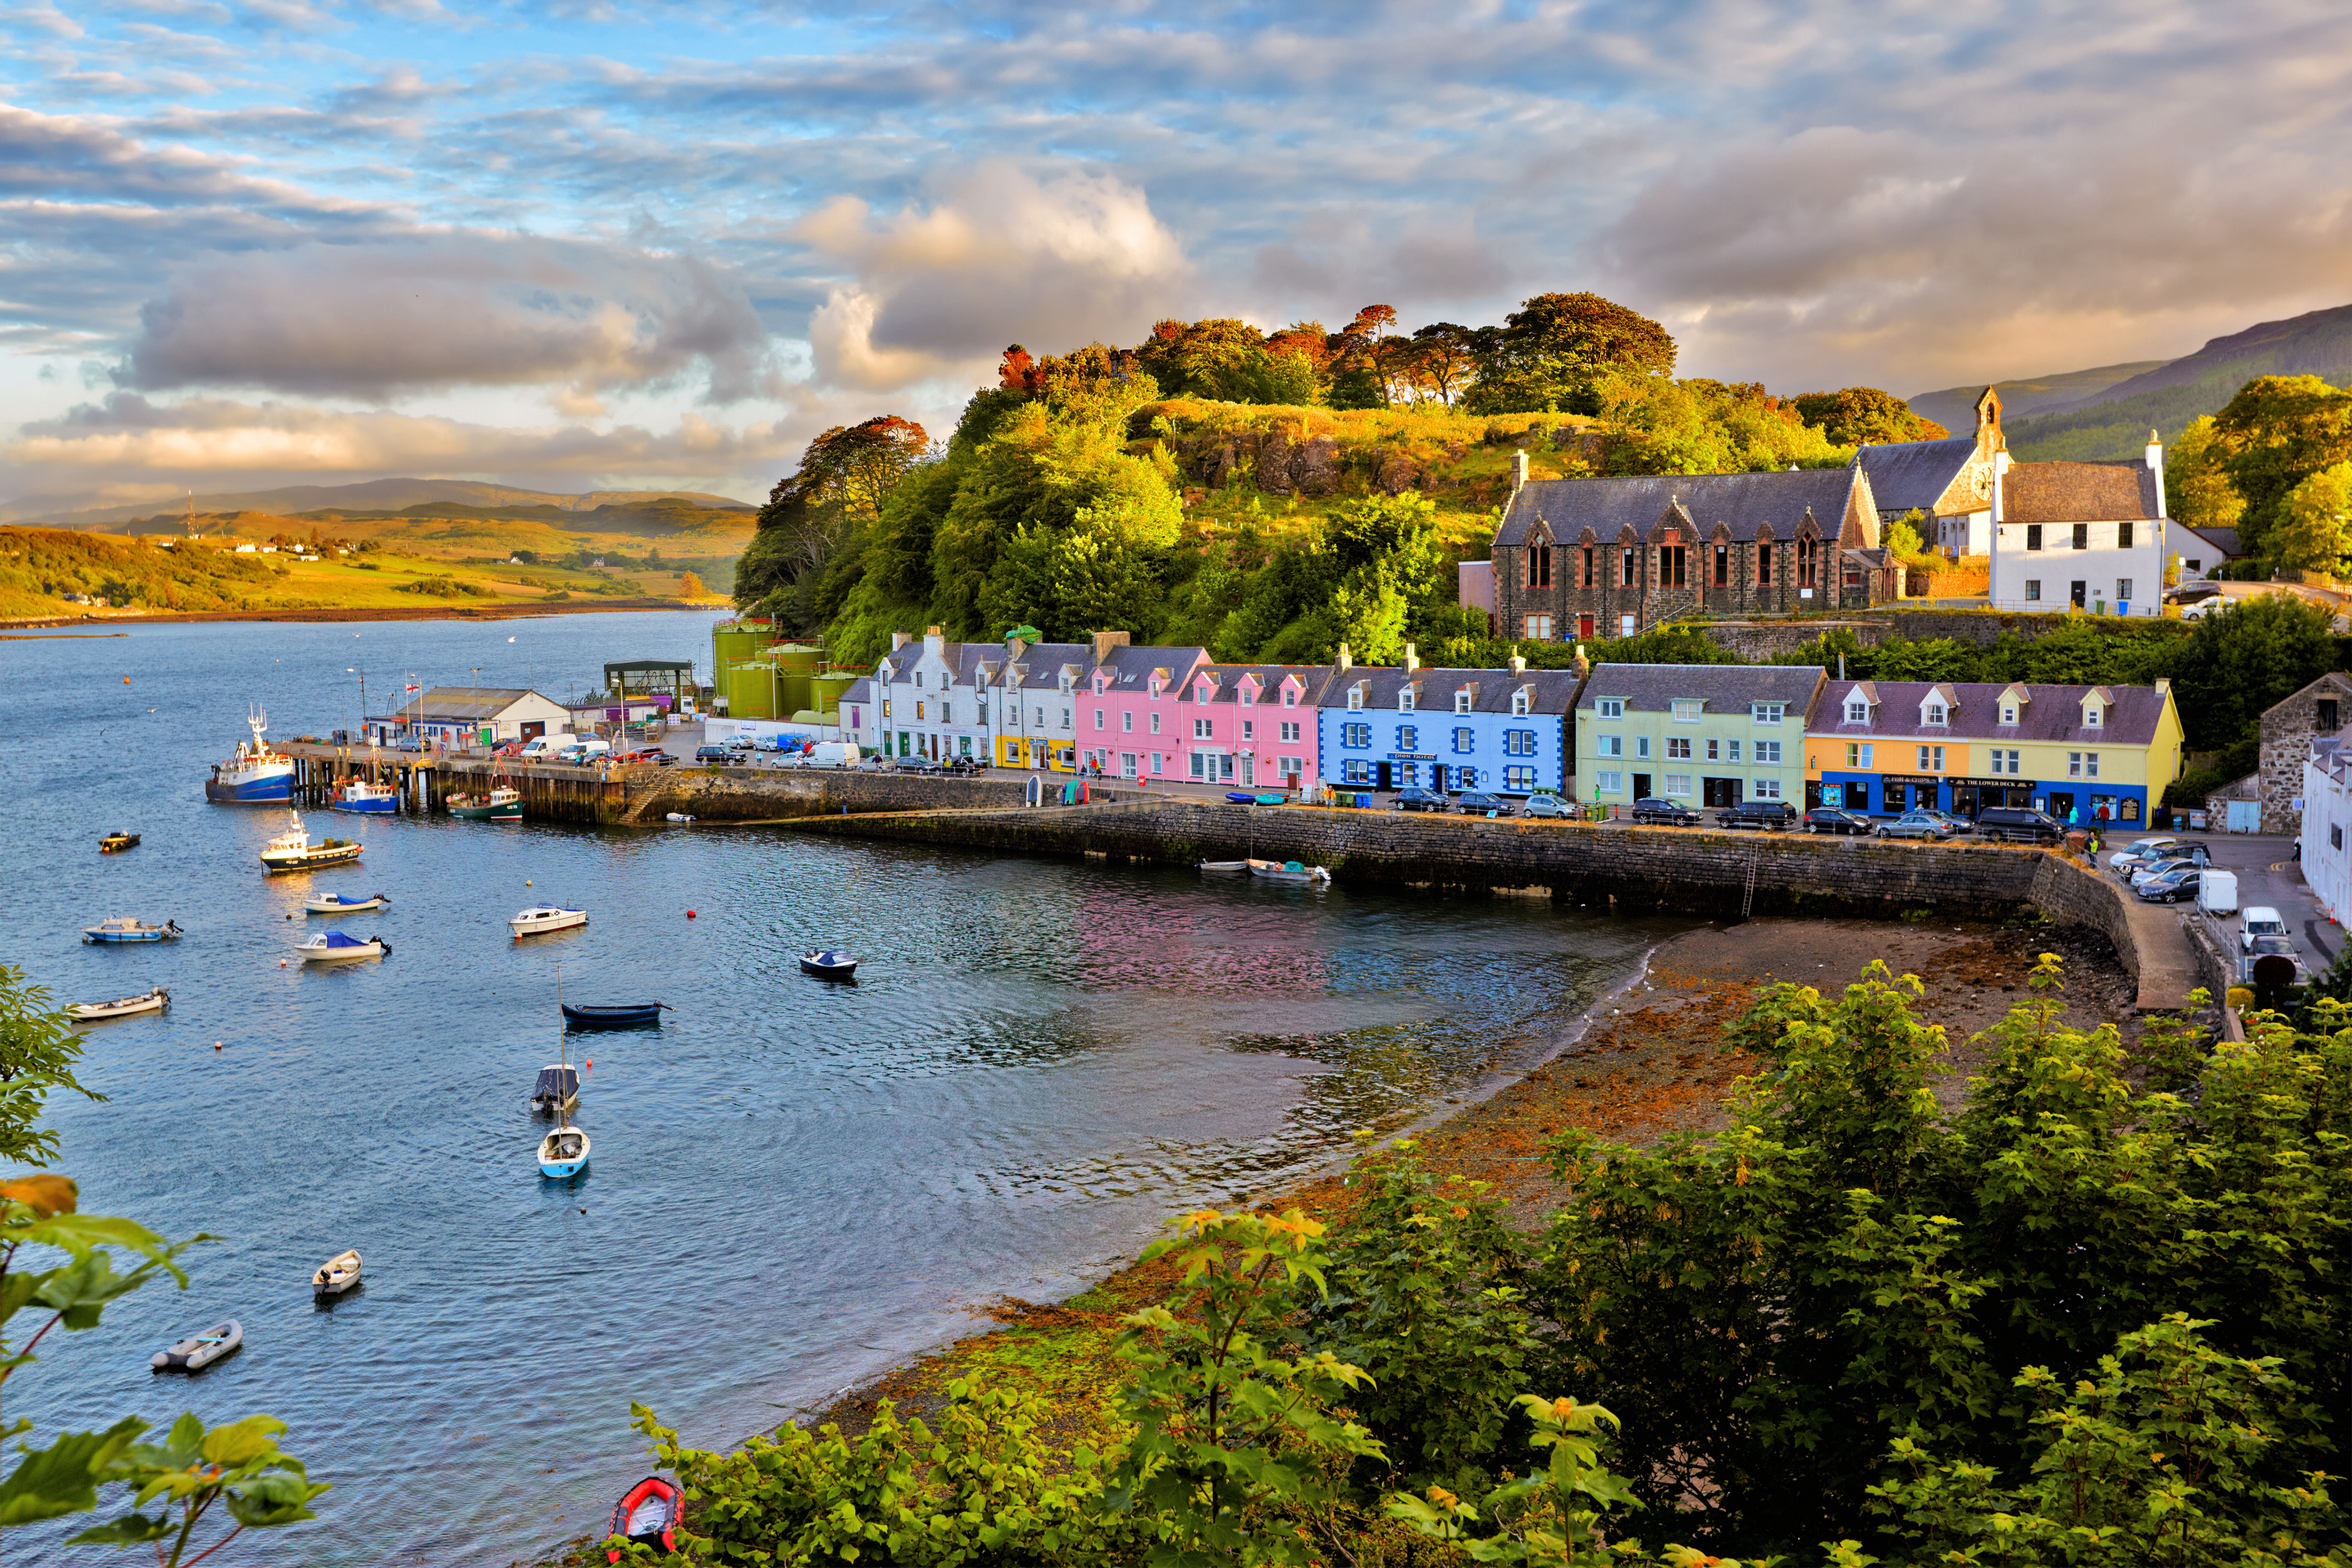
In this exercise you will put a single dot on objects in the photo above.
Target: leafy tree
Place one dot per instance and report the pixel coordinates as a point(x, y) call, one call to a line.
point(844, 477)
point(1436, 364)
point(2277, 432)
point(38, 1050)
point(689, 585)
point(2196, 487)
point(1701, 427)
point(1553, 350)
point(2314, 530)
point(1858, 414)
point(2246, 658)
point(1354, 365)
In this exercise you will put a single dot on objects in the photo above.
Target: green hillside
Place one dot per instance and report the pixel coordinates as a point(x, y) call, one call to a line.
point(1955, 407)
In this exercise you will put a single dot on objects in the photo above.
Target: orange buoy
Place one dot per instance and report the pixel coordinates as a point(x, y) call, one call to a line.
point(689, 914)
point(126, 680)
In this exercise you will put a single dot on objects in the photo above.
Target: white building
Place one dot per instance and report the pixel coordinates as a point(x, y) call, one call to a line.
point(2327, 825)
point(932, 696)
point(1033, 701)
point(465, 715)
point(2080, 536)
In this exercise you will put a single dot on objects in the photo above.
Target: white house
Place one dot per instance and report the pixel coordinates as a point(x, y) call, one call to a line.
point(2326, 862)
point(932, 696)
point(471, 714)
point(2081, 536)
point(1033, 701)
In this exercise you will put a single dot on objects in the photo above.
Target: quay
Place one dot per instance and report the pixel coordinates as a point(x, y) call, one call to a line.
point(423, 783)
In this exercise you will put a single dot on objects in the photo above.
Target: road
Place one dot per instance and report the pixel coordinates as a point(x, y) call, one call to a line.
point(2268, 874)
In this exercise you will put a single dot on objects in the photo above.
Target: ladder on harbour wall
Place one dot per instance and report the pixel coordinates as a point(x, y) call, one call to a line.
point(1747, 893)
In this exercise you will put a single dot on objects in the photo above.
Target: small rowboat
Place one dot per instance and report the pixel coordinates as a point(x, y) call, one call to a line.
point(1225, 864)
point(563, 1153)
point(1241, 796)
point(829, 963)
point(337, 1275)
point(648, 1515)
point(334, 947)
point(558, 1088)
point(1289, 871)
point(626, 1015)
point(199, 1350)
point(123, 928)
point(546, 918)
point(153, 1001)
point(336, 904)
point(116, 843)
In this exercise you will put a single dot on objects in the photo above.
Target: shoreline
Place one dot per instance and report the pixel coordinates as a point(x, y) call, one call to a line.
point(517, 610)
point(1657, 1070)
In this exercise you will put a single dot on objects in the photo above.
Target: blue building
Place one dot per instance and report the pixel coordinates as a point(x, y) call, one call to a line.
point(1504, 730)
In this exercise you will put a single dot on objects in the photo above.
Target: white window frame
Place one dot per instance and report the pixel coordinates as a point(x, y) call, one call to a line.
point(1766, 752)
point(1611, 708)
point(1609, 782)
point(1687, 709)
point(1857, 710)
point(1768, 712)
point(1609, 745)
point(1676, 785)
point(1763, 789)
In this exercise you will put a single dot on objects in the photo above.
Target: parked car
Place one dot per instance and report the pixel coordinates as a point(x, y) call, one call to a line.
point(1478, 803)
point(920, 765)
point(2020, 823)
point(1412, 797)
point(1769, 815)
point(2259, 920)
point(2285, 968)
point(2171, 888)
point(2138, 852)
point(1652, 810)
point(723, 756)
point(1953, 825)
point(1835, 819)
point(742, 744)
point(1545, 803)
point(1915, 825)
point(2171, 862)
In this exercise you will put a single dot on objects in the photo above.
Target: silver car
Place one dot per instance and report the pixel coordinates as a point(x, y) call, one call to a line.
point(1914, 825)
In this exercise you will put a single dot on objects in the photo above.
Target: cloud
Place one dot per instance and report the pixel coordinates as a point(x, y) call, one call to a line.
point(449, 309)
point(1002, 256)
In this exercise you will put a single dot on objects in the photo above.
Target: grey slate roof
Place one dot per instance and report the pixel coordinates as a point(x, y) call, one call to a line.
point(1041, 665)
point(1130, 669)
point(860, 691)
point(1723, 688)
point(1550, 691)
point(2078, 492)
point(1908, 474)
point(1270, 677)
point(1742, 502)
point(2224, 540)
point(2052, 712)
point(467, 702)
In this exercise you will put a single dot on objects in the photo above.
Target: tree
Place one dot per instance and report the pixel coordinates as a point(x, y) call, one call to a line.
point(2277, 432)
point(2243, 660)
point(1859, 414)
point(845, 476)
point(689, 585)
point(1551, 352)
point(1353, 370)
point(2196, 487)
point(2314, 531)
point(38, 1048)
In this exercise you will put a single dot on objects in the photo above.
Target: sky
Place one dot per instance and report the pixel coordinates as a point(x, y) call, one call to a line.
point(594, 245)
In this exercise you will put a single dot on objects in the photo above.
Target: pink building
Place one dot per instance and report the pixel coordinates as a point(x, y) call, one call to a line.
point(1251, 725)
point(1127, 711)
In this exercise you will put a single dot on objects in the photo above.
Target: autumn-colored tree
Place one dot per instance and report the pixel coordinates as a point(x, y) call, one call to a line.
point(689, 585)
point(2313, 532)
point(1352, 373)
point(2277, 432)
point(2196, 487)
point(1549, 353)
point(839, 486)
point(1858, 414)
point(1436, 364)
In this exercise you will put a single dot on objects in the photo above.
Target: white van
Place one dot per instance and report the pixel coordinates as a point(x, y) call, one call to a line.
point(832, 754)
point(584, 749)
point(545, 745)
point(2260, 920)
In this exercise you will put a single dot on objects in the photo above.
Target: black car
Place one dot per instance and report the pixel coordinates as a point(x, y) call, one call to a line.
point(1836, 819)
point(1652, 809)
point(2172, 886)
point(2020, 823)
point(720, 755)
point(1478, 803)
point(1771, 815)
point(1412, 797)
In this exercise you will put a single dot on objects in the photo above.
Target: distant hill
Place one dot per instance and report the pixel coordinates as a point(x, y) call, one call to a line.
point(370, 495)
point(1955, 407)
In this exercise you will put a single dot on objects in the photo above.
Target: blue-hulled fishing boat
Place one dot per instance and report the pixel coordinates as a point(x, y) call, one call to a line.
point(255, 774)
point(359, 795)
point(123, 928)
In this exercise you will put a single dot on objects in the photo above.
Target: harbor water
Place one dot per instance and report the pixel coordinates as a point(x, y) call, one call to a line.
point(795, 1184)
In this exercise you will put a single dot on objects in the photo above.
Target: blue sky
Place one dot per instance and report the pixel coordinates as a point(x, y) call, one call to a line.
point(594, 245)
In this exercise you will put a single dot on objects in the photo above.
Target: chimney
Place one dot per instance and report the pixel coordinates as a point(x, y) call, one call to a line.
point(1106, 641)
point(1518, 471)
point(900, 640)
point(1518, 665)
point(1347, 660)
point(1841, 666)
point(1582, 665)
point(935, 640)
point(2163, 684)
point(1412, 659)
point(2156, 467)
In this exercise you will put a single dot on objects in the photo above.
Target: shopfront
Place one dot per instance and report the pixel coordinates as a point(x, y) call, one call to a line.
point(1970, 797)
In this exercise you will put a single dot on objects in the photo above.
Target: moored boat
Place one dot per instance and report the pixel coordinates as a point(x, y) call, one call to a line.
point(255, 775)
point(338, 1274)
point(153, 1001)
point(829, 963)
point(1289, 871)
point(648, 1515)
point(293, 851)
point(200, 1350)
point(625, 1016)
point(546, 918)
point(123, 928)
point(1225, 864)
point(563, 1153)
point(359, 795)
point(558, 1088)
point(334, 947)
point(337, 904)
point(116, 843)
point(503, 803)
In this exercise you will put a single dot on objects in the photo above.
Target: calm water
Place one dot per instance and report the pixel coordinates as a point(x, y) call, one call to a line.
point(794, 1185)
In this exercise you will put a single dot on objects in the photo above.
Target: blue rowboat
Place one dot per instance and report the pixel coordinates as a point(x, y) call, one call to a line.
point(123, 928)
point(626, 1017)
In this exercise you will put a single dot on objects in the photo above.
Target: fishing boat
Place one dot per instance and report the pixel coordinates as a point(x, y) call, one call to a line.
point(563, 1153)
point(123, 928)
point(546, 918)
point(153, 1001)
point(829, 963)
point(255, 775)
point(116, 843)
point(293, 851)
point(558, 1088)
point(627, 1015)
point(200, 1350)
point(334, 947)
point(648, 1515)
point(503, 803)
point(338, 1274)
point(359, 794)
point(337, 904)
point(1225, 864)
point(1289, 871)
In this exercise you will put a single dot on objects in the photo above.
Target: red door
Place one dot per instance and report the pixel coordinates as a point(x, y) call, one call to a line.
point(1584, 628)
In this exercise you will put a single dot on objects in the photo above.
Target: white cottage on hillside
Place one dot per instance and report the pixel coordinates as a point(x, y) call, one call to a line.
point(2080, 536)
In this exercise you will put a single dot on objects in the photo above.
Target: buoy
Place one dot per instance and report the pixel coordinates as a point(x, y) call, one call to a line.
point(282, 962)
point(526, 881)
point(126, 680)
point(216, 1045)
point(689, 914)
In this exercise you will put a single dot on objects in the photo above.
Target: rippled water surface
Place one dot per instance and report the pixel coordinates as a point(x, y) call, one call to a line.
point(794, 1185)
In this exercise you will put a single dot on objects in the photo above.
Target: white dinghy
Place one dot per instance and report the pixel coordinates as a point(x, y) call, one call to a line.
point(199, 1350)
point(153, 1001)
point(336, 904)
point(334, 947)
point(337, 1275)
point(546, 918)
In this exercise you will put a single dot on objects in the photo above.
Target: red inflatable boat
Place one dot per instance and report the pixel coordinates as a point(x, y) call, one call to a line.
point(647, 1512)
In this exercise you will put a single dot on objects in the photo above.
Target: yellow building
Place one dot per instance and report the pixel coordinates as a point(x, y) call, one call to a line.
point(2083, 753)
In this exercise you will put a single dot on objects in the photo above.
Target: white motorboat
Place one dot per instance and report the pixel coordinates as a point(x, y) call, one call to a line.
point(337, 904)
point(124, 928)
point(1289, 871)
point(153, 1001)
point(337, 1275)
point(546, 918)
point(334, 947)
point(293, 851)
point(199, 1350)
point(563, 1153)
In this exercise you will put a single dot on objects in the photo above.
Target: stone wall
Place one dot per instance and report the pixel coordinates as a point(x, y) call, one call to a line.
point(2288, 730)
point(2073, 896)
point(1761, 642)
point(745, 795)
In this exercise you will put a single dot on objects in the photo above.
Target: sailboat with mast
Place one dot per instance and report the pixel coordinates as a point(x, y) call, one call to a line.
point(563, 1153)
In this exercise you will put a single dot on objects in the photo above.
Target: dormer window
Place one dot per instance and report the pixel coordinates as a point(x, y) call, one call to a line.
point(1404, 700)
point(1248, 697)
point(1462, 702)
point(1857, 710)
point(1934, 713)
point(1687, 709)
point(1518, 704)
point(1355, 699)
point(2009, 712)
point(2091, 712)
point(1290, 697)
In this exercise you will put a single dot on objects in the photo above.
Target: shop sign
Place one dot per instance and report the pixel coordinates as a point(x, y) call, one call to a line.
point(1994, 784)
point(1413, 756)
point(1909, 779)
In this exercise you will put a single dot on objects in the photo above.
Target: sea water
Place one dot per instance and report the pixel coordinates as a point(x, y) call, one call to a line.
point(795, 1184)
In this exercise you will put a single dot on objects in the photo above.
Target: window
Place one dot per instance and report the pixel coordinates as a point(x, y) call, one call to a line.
point(1127, 722)
point(1290, 730)
point(1101, 719)
point(1687, 709)
point(1356, 735)
point(1857, 710)
point(1462, 702)
point(1624, 568)
point(1934, 713)
point(1678, 748)
point(1715, 750)
point(1609, 746)
point(918, 710)
point(1356, 770)
point(1628, 624)
point(1518, 742)
point(1765, 751)
point(2005, 762)
point(1671, 563)
point(1858, 756)
point(2090, 765)
point(1641, 746)
point(2082, 765)
point(1466, 739)
point(2324, 719)
point(1065, 718)
point(1612, 708)
point(1518, 780)
point(1539, 566)
point(2123, 590)
point(1678, 783)
point(2081, 536)
point(2090, 715)
point(2033, 536)
point(1588, 566)
point(2335, 836)
point(2124, 542)
point(2033, 590)
point(1808, 562)
point(1722, 566)
point(1611, 782)
point(2009, 712)
point(1246, 697)
point(1155, 729)
point(1290, 700)
point(1249, 728)
point(1768, 712)
point(1155, 756)
point(1041, 719)
point(1408, 738)
point(886, 707)
point(1518, 704)
point(918, 678)
point(1202, 729)
point(1404, 699)
point(1764, 563)
point(1539, 628)
point(1931, 759)
point(1763, 789)
point(1355, 699)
